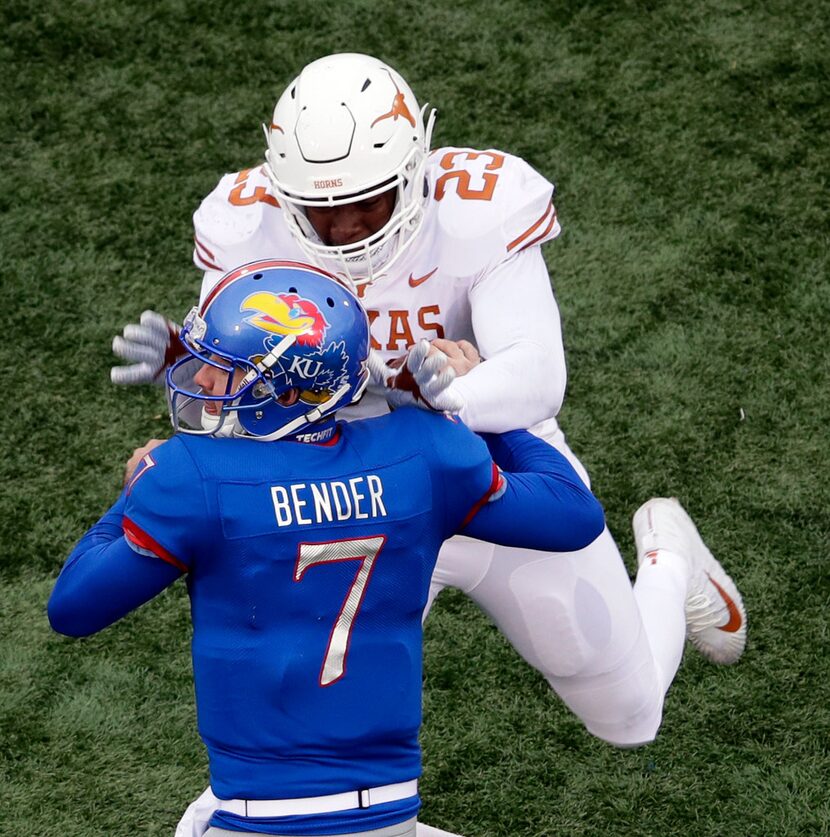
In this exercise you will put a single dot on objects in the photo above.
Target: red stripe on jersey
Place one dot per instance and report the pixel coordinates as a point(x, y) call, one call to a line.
point(204, 263)
point(142, 540)
point(202, 247)
point(539, 238)
point(533, 227)
point(209, 265)
point(495, 485)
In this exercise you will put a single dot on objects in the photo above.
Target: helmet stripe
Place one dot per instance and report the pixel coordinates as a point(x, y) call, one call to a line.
point(253, 267)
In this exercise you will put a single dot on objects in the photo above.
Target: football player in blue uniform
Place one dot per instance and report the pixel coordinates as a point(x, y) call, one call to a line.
point(308, 561)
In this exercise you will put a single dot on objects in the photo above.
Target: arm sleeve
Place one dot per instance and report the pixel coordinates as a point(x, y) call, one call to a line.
point(104, 579)
point(544, 505)
point(517, 329)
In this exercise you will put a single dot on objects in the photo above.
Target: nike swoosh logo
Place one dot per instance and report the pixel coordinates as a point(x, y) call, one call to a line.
point(413, 282)
point(735, 621)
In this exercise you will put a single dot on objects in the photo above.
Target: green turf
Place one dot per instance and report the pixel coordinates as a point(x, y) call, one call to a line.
point(689, 144)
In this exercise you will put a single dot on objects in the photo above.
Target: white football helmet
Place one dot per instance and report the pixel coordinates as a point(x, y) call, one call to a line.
point(346, 129)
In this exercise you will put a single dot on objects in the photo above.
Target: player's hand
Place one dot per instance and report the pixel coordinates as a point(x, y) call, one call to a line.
point(462, 356)
point(152, 344)
point(423, 377)
point(138, 455)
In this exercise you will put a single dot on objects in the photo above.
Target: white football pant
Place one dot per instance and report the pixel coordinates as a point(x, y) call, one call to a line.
point(609, 651)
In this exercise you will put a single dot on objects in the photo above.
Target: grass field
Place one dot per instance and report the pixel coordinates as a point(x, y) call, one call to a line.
point(690, 147)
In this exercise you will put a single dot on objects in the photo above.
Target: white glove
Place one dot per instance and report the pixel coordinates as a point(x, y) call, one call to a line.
point(152, 345)
point(423, 378)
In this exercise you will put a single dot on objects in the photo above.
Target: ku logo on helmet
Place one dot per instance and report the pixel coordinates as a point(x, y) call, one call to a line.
point(320, 373)
point(286, 314)
point(305, 367)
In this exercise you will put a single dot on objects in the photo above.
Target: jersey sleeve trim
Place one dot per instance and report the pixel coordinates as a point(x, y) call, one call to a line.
point(496, 485)
point(139, 538)
point(203, 257)
point(548, 215)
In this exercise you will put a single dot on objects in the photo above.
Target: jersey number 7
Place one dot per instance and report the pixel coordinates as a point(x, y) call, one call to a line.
point(364, 550)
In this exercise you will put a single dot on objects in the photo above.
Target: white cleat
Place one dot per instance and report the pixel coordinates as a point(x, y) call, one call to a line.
point(715, 615)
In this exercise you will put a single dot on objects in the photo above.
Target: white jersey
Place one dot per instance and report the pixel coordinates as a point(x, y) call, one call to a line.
point(474, 272)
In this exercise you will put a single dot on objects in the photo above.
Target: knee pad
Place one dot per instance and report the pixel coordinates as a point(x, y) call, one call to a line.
point(578, 608)
point(566, 618)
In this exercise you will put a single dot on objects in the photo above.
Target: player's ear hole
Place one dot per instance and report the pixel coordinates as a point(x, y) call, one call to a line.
point(289, 398)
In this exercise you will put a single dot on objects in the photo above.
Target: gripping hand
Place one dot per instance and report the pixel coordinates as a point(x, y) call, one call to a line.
point(423, 377)
point(151, 345)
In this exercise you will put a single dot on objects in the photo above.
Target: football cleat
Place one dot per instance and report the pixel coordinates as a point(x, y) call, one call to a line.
point(715, 614)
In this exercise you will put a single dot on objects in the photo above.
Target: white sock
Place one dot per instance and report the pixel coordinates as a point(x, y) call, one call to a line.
point(660, 590)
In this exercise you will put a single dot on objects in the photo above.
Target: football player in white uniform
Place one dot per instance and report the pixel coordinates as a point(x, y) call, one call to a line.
point(445, 246)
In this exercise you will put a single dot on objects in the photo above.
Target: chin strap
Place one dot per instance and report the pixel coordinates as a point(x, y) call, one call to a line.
point(307, 418)
point(221, 426)
point(271, 358)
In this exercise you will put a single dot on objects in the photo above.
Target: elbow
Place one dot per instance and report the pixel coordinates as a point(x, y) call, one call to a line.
point(546, 393)
point(64, 619)
point(595, 520)
point(553, 393)
point(548, 408)
point(586, 525)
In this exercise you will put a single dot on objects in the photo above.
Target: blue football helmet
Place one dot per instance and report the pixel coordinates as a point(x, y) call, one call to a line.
point(293, 341)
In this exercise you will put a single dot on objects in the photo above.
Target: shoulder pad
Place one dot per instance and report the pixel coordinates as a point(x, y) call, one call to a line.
point(489, 205)
point(228, 224)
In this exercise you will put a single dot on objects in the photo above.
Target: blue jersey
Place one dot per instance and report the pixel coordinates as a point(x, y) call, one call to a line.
point(308, 568)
